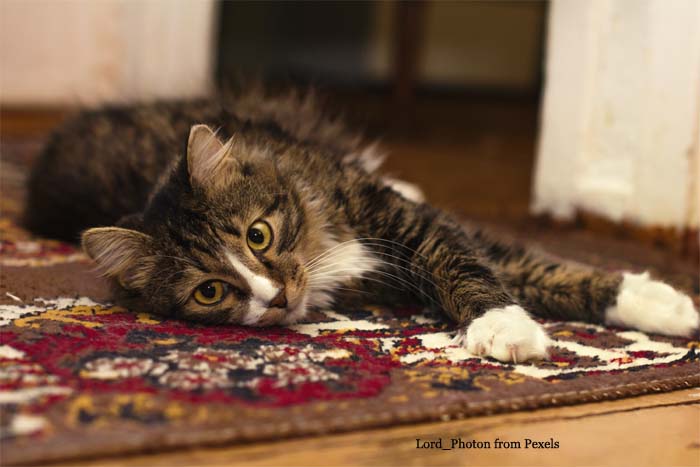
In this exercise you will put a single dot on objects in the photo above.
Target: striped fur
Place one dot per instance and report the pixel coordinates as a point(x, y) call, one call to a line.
point(341, 232)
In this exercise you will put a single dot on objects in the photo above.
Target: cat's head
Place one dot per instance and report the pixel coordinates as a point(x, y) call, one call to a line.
point(224, 238)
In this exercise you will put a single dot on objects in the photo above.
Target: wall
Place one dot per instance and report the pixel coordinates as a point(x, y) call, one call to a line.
point(86, 52)
point(621, 111)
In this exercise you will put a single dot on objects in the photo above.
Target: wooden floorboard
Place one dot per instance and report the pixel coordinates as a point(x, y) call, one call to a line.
point(660, 429)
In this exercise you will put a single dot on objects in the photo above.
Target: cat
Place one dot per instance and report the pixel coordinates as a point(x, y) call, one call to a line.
point(256, 208)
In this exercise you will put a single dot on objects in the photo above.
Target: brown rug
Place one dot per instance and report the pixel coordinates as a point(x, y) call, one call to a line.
point(81, 377)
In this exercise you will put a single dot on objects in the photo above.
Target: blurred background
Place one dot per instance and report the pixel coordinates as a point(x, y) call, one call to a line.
point(451, 88)
point(565, 114)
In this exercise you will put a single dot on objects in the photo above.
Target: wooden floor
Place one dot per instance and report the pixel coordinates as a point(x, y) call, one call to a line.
point(655, 430)
point(474, 157)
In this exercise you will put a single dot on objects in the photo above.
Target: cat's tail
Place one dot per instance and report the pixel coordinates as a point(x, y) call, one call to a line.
point(552, 289)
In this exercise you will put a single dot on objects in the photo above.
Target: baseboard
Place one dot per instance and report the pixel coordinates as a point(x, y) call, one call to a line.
point(684, 242)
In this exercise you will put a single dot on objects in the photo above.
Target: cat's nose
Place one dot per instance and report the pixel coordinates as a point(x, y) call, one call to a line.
point(280, 300)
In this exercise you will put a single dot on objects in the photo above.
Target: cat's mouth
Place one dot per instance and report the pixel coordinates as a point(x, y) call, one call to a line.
point(282, 316)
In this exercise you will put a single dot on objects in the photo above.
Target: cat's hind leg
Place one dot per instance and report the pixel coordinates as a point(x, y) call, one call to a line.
point(652, 306)
point(551, 289)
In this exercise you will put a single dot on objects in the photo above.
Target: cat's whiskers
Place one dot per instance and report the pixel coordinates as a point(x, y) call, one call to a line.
point(413, 265)
point(332, 284)
point(396, 277)
point(318, 257)
point(375, 261)
point(351, 243)
point(366, 241)
point(348, 289)
point(409, 285)
point(369, 240)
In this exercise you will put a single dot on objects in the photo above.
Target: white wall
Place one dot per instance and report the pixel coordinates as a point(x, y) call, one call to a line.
point(621, 111)
point(86, 52)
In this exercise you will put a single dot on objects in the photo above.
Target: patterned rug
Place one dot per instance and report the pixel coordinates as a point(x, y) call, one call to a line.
point(81, 377)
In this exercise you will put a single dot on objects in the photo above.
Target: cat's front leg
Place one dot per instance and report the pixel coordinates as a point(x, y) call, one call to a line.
point(493, 324)
point(433, 257)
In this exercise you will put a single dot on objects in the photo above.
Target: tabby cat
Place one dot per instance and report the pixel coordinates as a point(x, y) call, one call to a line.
point(255, 209)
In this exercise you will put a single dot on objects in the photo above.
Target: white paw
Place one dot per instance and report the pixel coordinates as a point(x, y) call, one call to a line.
point(506, 334)
point(652, 306)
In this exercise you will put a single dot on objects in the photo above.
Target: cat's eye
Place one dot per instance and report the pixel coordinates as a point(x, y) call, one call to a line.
point(259, 236)
point(210, 293)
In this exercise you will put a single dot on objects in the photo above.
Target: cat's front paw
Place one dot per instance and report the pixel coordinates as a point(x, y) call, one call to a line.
point(652, 306)
point(507, 334)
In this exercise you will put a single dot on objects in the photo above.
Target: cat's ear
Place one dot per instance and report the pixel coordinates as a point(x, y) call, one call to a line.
point(205, 154)
point(121, 253)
